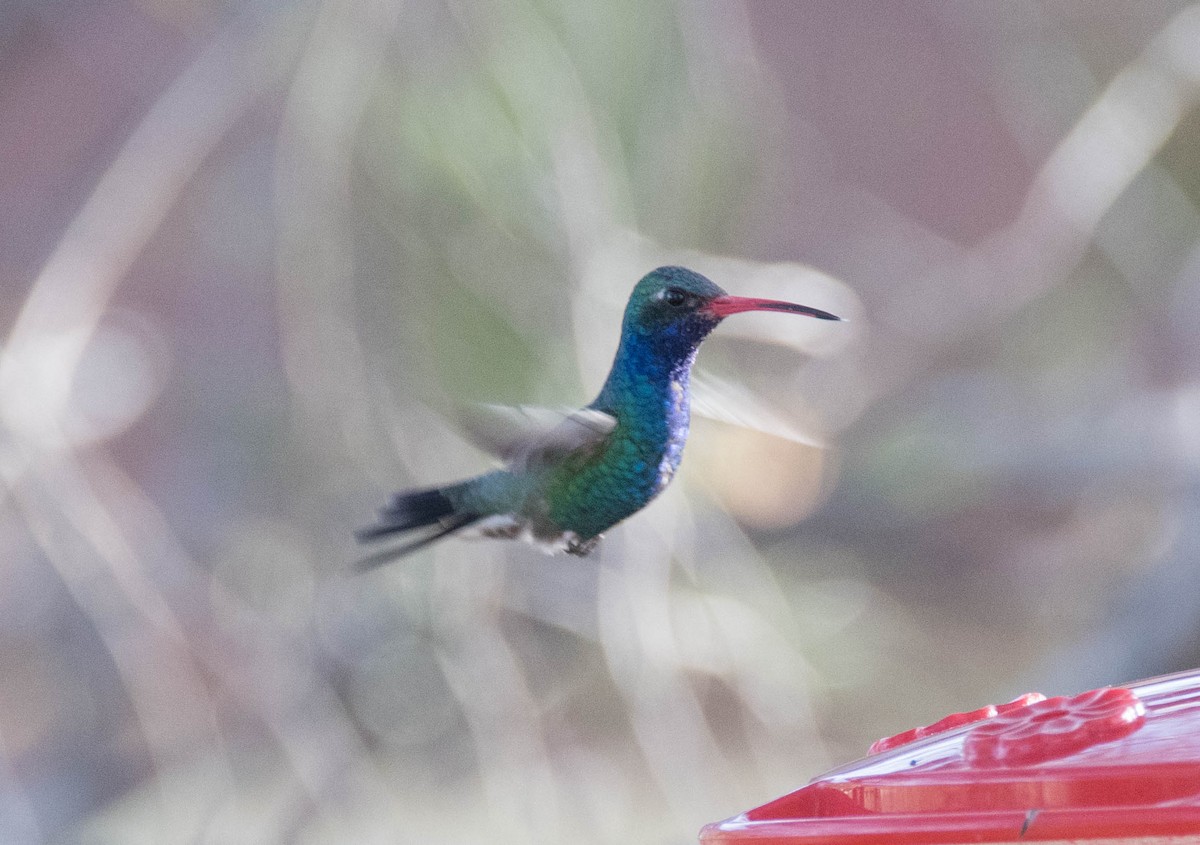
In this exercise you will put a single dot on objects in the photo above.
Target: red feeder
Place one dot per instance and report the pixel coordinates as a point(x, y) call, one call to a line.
point(1114, 765)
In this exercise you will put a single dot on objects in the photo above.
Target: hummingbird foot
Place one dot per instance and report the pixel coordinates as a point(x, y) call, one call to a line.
point(582, 548)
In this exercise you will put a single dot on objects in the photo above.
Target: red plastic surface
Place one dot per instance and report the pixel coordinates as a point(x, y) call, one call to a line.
point(1111, 765)
point(954, 720)
point(1054, 727)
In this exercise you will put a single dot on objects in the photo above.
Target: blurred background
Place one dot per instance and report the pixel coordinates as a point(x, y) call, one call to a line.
point(255, 258)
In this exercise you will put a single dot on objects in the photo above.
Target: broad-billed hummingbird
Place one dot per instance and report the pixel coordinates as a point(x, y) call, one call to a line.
point(566, 484)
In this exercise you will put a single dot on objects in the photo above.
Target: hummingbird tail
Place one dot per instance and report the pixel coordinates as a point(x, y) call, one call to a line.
point(409, 511)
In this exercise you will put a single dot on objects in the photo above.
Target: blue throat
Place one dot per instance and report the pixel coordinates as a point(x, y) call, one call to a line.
point(650, 372)
point(647, 391)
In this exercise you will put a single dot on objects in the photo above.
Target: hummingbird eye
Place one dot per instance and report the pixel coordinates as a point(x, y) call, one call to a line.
point(674, 297)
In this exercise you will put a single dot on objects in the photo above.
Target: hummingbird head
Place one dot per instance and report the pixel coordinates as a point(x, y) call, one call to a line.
point(682, 306)
point(671, 310)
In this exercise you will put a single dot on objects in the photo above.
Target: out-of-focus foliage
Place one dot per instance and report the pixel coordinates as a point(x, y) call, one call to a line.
point(257, 258)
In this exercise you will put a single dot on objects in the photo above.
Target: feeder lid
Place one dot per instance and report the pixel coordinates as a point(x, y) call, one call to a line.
point(1117, 764)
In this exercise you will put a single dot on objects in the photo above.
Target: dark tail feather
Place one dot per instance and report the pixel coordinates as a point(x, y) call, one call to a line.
point(409, 512)
point(406, 511)
point(446, 526)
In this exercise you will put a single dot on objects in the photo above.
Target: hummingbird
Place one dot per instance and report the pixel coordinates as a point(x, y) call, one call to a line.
point(566, 483)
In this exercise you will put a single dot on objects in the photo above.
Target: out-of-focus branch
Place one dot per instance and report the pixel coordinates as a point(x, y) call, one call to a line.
point(130, 200)
point(68, 500)
point(334, 82)
point(1113, 142)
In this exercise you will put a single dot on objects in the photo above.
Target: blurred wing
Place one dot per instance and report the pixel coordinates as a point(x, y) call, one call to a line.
point(727, 402)
point(528, 435)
